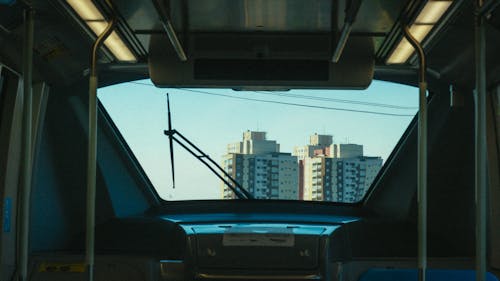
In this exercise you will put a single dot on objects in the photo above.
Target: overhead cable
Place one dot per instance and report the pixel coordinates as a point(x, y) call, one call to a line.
point(287, 103)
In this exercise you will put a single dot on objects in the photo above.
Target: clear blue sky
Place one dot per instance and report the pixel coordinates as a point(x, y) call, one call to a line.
point(212, 121)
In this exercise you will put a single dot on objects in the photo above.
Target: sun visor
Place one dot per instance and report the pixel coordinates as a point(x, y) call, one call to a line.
point(261, 61)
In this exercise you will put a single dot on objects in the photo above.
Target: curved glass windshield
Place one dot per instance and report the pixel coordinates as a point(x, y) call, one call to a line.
point(320, 145)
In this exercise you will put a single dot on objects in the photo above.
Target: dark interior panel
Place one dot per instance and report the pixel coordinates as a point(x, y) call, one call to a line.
point(59, 190)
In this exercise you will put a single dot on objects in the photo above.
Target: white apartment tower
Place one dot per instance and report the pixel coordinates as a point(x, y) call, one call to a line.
point(316, 142)
point(259, 167)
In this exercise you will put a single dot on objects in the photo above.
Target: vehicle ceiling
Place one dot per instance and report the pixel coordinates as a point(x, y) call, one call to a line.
point(62, 45)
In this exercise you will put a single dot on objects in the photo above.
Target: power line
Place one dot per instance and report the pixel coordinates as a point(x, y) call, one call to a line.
point(385, 105)
point(337, 100)
point(287, 103)
point(299, 105)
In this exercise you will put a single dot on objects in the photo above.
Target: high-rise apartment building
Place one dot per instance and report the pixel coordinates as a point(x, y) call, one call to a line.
point(334, 172)
point(259, 168)
point(319, 171)
point(339, 179)
point(316, 143)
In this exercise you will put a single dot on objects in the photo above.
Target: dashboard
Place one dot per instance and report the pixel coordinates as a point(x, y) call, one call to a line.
point(257, 250)
point(254, 240)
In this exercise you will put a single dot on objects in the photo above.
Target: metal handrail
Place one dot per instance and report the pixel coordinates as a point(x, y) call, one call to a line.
point(92, 149)
point(422, 157)
point(27, 158)
point(481, 166)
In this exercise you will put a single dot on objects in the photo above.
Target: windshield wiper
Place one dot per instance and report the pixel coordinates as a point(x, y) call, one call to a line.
point(202, 156)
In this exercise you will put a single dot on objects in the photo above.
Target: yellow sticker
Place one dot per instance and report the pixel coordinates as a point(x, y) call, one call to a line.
point(61, 267)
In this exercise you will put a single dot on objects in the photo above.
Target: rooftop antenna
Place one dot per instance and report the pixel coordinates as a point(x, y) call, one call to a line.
point(202, 157)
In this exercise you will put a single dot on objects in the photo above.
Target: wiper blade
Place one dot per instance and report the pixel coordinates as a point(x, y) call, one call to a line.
point(171, 141)
point(203, 157)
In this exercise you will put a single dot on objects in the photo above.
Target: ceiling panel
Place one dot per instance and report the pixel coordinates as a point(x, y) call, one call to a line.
point(260, 15)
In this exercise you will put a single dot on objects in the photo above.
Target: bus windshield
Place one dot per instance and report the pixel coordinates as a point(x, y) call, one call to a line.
point(314, 145)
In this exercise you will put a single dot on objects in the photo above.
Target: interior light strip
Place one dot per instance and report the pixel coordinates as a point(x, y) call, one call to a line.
point(426, 20)
point(95, 20)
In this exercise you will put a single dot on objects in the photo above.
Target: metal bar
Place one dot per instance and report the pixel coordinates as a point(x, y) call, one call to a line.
point(209, 167)
point(82, 24)
point(480, 147)
point(422, 158)
point(422, 181)
point(244, 191)
point(236, 183)
point(346, 30)
point(444, 21)
point(169, 29)
point(406, 69)
point(172, 36)
point(493, 126)
point(239, 187)
point(171, 143)
point(25, 194)
point(92, 150)
point(351, 12)
point(488, 7)
point(124, 67)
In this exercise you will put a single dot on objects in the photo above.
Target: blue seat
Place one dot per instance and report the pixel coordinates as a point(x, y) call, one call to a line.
point(384, 274)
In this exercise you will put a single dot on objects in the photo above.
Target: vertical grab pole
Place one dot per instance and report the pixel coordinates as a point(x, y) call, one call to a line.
point(92, 151)
point(422, 158)
point(25, 193)
point(480, 147)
